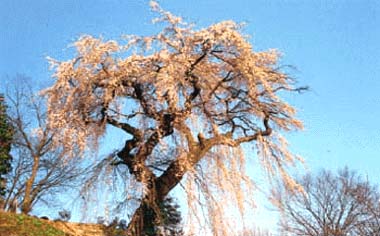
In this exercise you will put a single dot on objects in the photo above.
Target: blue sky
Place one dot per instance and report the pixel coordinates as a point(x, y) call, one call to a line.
point(334, 45)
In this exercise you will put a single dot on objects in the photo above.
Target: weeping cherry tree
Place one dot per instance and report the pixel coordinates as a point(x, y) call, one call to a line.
point(187, 100)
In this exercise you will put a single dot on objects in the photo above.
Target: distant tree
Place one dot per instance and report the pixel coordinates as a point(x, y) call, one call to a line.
point(100, 220)
point(40, 168)
point(6, 136)
point(64, 215)
point(340, 204)
point(123, 224)
point(187, 100)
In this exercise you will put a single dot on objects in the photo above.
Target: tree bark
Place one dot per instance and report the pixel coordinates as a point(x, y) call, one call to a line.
point(27, 203)
point(147, 213)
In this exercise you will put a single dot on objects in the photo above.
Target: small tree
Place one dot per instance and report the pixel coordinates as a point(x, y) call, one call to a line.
point(340, 204)
point(6, 135)
point(39, 168)
point(187, 100)
point(64, 215)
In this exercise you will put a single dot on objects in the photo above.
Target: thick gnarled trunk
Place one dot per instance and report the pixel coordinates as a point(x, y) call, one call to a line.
point(148, 213)
point(143, 221)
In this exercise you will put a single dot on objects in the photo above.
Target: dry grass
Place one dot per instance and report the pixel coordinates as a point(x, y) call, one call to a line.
point(23, 225)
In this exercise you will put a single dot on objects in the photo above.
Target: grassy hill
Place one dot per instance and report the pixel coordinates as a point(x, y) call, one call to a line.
point(23, 225)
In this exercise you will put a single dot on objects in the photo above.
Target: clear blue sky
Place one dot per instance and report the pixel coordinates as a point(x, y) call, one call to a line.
point(335, 44)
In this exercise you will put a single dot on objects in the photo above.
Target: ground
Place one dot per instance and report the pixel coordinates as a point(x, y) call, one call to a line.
point(23, 225)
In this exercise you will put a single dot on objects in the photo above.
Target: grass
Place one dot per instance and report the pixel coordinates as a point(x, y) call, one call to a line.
point(23, 225)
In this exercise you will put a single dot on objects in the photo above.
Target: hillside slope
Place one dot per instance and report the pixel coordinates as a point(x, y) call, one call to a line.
point(23, 225)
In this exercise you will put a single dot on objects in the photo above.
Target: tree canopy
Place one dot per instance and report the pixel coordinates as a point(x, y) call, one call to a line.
point(187, 99)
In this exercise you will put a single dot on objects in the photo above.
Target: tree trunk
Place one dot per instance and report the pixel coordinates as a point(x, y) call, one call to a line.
point(27, 202)
point(143, 221)
point(148, 214)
